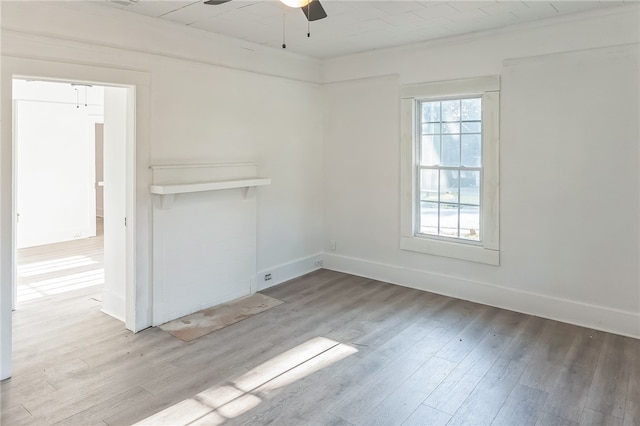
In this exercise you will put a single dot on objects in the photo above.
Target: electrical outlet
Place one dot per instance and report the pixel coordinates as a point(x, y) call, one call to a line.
point(267, 277)
point(333, 245)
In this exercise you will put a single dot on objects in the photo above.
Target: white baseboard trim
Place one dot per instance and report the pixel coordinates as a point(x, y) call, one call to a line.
point(53, 236)
point(288, 271)
point(113, 305)
point(583, 314)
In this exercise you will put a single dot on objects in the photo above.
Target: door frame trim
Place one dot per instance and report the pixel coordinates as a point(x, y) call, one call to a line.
point(138, 288)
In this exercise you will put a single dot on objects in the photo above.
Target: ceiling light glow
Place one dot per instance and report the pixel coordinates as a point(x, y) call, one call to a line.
point(296, 3)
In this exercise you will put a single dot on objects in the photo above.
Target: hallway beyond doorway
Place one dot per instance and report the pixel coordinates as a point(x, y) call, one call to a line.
point(53, 269)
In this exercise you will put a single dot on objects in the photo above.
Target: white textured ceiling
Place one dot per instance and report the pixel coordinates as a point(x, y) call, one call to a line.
point(353, 26)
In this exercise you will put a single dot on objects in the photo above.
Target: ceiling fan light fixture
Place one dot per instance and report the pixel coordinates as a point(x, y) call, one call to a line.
point(296, 3)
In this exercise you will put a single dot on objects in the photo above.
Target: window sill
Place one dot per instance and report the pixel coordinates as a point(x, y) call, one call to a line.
point(461, 251)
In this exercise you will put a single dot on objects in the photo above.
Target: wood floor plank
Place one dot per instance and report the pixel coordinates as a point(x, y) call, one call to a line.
point(331, 386)
point(320, 418)
point(457, 386)
point(488, 397)
point(633, 392)
point(20, 389)
point(427, 416)
point(461, 344)
point(632, 406)
point(291, 291)
point(402, 403)
point(522, 407)
point(64, 403)
point(270, 350)
point(397, 314)
point(546, 419)
point(508, 323)
point(547, 362)
point(377, 386)
point(294, 394)
point(411, 358)
point(106, 409)
point(632, 413)
point(595, 418)
point(14, 414)
point(361, 327)
point(568, 396)
point(608, 392)
point(132, 413)
point(301, 400)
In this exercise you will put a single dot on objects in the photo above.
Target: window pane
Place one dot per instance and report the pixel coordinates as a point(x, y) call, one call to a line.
point(428, 185)
point(429, 218)
point(449, 220)
point(471, 127)
point(430, 150)
point(451, 110)
point(449, 186)
point(472, 109)
point(430, 112)
point(451, 138)
point(471, 150)
point(470, 222)
point(430, 128)
point(450, 127)
point(470, 187)
point(450, 155)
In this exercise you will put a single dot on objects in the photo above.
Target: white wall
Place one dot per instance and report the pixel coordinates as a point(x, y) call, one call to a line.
point(569, 168)
point(53, 137)
point(483, 53)
point(204, 245)
point(204, 98)
point(209, 100)
point(109, 36)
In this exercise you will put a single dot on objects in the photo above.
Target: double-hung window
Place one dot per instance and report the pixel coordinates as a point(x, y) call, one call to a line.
point(450, 169)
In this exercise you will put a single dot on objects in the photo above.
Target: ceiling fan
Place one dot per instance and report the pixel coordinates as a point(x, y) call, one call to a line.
point(312, 9)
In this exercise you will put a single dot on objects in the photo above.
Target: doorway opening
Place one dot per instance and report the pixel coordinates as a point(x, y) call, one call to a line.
point(70, 152)
point(135, 287)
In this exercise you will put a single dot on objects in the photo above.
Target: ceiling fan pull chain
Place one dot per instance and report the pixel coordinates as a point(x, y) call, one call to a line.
point(308, 21)
point(284, 16)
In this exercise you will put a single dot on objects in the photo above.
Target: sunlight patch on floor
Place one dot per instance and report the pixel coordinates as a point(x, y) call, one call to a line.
point(217, 404)
point(39, 268)
point(63, 284)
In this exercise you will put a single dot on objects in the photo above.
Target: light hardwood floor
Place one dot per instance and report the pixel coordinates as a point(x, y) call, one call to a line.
point(341, 350)
point(61, 267)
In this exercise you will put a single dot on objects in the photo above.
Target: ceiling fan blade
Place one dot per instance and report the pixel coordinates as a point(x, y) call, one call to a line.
point(216, 2)
point(314, 11)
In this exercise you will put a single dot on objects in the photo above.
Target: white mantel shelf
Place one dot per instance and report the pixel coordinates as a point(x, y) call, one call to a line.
point(207, 186)
point(167, 193)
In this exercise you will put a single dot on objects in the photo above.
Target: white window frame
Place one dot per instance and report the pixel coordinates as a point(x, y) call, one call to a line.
point(488, 249)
